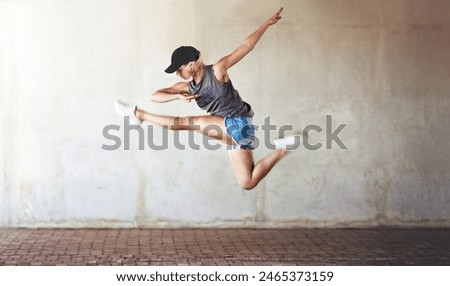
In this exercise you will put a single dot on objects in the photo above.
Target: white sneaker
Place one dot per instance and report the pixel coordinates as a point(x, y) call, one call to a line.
point(289, 143)
point(126, 109)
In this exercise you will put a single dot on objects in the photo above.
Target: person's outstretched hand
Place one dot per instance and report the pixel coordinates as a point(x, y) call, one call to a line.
point(275, 18)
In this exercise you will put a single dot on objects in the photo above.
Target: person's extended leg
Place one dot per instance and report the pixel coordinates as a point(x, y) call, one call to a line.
point(249, 174)
point(209, 125)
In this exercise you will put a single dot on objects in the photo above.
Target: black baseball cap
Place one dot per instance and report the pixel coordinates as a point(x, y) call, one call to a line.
point(182, 56)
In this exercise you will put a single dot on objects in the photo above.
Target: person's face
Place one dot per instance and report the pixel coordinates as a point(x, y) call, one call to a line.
point(185, 71)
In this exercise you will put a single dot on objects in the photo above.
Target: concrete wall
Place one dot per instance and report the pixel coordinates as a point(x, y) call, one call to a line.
point(381, 67)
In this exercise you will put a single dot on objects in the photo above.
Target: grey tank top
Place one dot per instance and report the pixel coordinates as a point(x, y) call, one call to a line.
point(219, 98)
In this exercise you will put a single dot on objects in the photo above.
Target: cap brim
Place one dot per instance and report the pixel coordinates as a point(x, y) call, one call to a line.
point(171, 69)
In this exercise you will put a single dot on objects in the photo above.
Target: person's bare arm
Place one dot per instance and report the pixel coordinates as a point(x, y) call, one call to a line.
point(177, 91)
point(250, 42)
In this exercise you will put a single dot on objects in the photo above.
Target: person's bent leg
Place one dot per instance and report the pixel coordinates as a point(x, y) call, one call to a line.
point(249, 174)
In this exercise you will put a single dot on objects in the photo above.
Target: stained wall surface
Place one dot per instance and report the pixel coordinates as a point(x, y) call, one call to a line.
point(382, 68)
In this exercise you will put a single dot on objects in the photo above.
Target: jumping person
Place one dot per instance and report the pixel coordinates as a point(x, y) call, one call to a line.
point(213, 91)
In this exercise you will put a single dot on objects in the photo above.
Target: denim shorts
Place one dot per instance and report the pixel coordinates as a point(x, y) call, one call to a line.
point(242, 131)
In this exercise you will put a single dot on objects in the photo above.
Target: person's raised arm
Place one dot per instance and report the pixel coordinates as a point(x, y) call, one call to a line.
point(250, 42)
point(177, 91)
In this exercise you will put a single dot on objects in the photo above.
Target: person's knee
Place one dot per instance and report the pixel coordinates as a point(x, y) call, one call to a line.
point(247, 184)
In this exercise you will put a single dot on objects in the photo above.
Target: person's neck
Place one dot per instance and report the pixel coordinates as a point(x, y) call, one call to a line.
point(198, 75)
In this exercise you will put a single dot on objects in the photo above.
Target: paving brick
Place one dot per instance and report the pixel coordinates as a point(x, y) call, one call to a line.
point(376, 246)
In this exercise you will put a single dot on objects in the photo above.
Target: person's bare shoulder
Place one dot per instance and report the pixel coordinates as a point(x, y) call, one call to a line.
point(220, 72)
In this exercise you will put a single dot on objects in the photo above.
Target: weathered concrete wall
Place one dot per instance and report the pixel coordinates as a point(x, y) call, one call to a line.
point(381, 67)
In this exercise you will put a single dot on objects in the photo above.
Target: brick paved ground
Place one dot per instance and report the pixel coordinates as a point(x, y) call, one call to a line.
point(225, 247)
